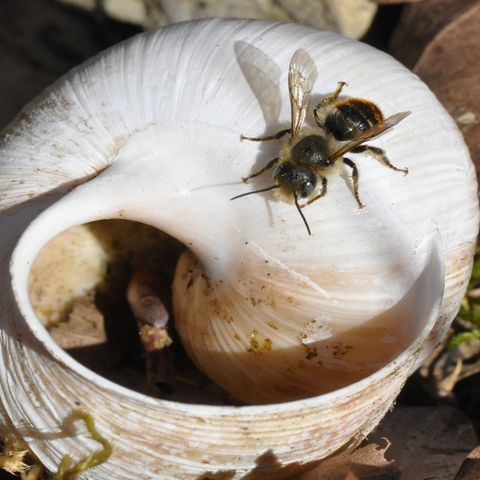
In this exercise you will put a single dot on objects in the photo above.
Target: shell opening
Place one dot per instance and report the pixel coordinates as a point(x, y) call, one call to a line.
point(78, 289)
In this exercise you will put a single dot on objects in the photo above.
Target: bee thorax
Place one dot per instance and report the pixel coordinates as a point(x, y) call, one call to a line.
point(311, 150)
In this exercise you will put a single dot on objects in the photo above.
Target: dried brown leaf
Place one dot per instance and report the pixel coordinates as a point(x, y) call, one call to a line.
point(427, 442)
point(365, 463)
point(420, 22)
point(450, 65)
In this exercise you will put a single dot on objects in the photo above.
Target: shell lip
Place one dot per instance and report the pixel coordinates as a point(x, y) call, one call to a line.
point(41, 334)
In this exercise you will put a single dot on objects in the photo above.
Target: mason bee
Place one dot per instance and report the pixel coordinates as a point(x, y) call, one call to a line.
point(311, 153)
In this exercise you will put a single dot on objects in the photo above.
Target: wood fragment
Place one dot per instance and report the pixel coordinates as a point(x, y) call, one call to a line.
point(447, 384)
point(152, 321)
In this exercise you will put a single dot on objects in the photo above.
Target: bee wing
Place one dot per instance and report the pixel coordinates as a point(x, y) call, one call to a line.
point(375, 131)
point(302, 74)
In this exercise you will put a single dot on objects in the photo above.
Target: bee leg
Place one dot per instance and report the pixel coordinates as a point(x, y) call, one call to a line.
point(320, 195)
point(275, 136)
point(352, 165)
point(379, 155)
point(326, 102)
point(270, 164)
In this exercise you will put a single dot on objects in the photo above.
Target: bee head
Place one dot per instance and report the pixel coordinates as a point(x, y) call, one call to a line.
point(295, 179)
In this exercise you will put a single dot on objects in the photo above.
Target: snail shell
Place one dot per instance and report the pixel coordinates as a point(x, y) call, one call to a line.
point(322, 329)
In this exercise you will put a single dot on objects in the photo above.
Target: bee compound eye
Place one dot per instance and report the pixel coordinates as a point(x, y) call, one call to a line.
point(308, 187)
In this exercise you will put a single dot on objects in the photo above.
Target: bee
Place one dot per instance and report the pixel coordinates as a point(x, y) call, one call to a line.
point(312, 153)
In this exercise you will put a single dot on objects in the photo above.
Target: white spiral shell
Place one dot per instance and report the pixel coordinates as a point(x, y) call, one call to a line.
point(268, 312)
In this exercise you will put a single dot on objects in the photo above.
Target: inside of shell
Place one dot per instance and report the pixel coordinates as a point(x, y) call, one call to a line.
point(78, 288)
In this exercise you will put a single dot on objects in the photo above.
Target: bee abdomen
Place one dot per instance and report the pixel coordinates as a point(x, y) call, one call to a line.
point(352, 117)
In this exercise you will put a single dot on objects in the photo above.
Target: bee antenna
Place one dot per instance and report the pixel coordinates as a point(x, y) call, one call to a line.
point(256, 191)
point(301, 213)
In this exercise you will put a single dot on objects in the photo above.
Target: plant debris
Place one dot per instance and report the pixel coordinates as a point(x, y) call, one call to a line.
point(12, 457)
point(366, 463)
point(67, 470)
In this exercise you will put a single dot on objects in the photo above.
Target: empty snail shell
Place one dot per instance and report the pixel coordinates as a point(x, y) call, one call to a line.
point(324, 330)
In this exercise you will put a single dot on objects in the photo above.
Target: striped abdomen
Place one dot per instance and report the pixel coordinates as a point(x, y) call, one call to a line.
point(351, 117)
